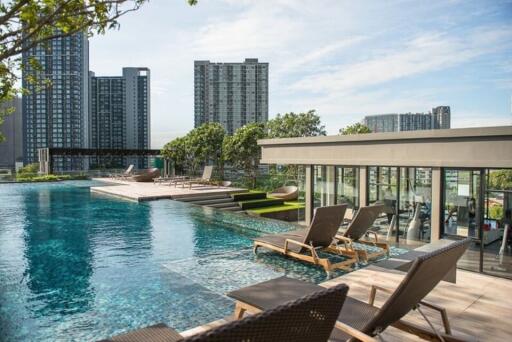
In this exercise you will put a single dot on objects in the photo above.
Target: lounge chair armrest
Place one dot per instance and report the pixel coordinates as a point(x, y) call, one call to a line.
point(442, 311)
point(343, 238)
point(346, 241)
point(309, 247)
point(375, 236)
point(373, 293)
point(354, 332)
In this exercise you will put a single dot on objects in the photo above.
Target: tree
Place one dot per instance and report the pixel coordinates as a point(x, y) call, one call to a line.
point(292, 125)
point(205, 144)
point(357, 128)
point(500, 179)
point(25, 24)
point(176, 151)
point(242, 150)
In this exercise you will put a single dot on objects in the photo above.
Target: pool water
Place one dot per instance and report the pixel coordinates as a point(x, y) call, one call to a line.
point(78, 266)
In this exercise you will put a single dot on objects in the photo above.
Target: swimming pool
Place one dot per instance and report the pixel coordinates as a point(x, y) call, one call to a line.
point(75, 265)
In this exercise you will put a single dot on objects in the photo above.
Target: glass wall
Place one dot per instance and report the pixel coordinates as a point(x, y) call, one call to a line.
point(336, 185)
point(347, 186)
point(383, 189)
point(415, 203)
point(323, 185)
point(461, 202)
point(411, 189)
point(478, 204)
point(496, 236)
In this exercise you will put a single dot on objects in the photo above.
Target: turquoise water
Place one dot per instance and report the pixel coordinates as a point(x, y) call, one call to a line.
point(76, 266)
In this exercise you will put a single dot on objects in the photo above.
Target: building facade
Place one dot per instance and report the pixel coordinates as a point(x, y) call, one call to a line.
point(439, 118)
point(11, 149)
point(442, 117)
point(120, 115)
point(432, 185)
point(57, 114)
point(233, 94)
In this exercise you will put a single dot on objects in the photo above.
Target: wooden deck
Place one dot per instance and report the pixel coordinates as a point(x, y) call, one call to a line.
point(139, 192)
point(479, 306)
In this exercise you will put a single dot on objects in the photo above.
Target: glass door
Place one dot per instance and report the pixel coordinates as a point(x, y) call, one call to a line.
point(463, 212)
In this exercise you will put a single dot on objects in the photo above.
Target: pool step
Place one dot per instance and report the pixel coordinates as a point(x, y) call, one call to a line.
point(212, 202)
point(235, 208)
point(204, 197)
point(223, 205)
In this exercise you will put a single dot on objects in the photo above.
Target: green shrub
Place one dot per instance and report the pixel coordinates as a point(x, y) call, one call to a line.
point(29, 169)
point(496, 212)
point(48, 178)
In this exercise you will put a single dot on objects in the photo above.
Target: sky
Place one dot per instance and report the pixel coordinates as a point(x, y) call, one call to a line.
point(346, 59)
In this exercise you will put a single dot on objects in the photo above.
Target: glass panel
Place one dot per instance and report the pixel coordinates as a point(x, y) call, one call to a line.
point(496, 236)
point(382, 188)
point(461, 202)
point(461, 211)
point(323, 186)
point(347, 186)
point(415, 203)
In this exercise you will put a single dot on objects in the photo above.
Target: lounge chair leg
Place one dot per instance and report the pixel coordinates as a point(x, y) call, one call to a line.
point(430, 324)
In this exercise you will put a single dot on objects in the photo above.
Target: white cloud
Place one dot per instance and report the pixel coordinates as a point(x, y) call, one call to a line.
point(479, 119)
point(425, 53)
point(343, 58)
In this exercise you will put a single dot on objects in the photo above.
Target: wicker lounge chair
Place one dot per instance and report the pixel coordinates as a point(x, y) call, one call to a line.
point(310, 318)
point(206, 179)
point(146, 175)
point(356, 230)
point(127, 173)
point(287, 193)
point(360, 320)
point(304, 244)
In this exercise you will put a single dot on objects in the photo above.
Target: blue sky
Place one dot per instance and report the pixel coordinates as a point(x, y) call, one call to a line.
point(345, 59)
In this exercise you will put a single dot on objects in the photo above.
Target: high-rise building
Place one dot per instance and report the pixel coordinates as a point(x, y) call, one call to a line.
point(438, 119)
point(441, 116)
point(120, 114)
point(382, 123)
point(57, 114)
point(11, 149)
point(233, 94)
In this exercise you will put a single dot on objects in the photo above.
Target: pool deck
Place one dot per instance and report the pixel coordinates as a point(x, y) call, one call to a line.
point(478, 306)
point(137, 191)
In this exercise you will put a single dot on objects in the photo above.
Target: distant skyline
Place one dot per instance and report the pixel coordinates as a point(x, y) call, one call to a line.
point(345, 59)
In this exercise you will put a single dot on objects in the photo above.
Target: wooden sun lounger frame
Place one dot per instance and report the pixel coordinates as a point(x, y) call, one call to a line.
point(313, 258)
point(345, 245)
point(326, 220)
point(347, 248)
point(431, 334)
point(448, 335)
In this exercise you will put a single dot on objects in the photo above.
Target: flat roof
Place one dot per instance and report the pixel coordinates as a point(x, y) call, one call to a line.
point(483, 147)
point(453, 133)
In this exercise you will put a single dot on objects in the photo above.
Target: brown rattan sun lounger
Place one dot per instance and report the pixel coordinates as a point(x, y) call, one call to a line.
point(304, 244)
point(362, 320)
point(206, 179)
point(310, 318)
point(127, 173)
point(357, 229)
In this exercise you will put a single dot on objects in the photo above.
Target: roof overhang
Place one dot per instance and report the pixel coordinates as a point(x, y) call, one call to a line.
point(487, 147)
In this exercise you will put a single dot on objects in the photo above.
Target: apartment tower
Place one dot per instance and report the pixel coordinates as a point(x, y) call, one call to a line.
point(438, 119)
point(120, 115)
point(233, 94)
point(56, 114)
point(11, 149)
